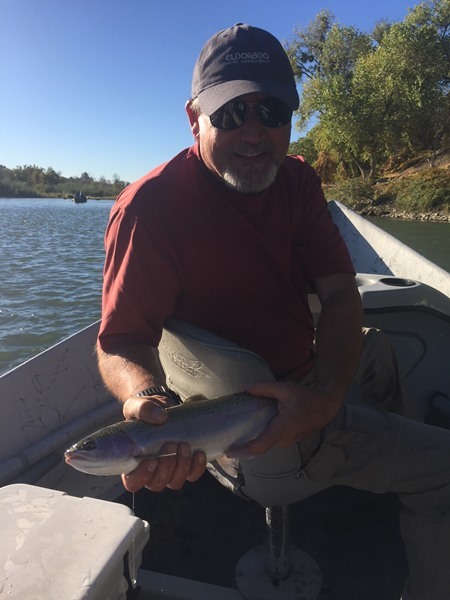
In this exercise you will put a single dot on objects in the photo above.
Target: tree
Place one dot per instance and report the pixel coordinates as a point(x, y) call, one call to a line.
point(375, 94)
point(379, 31)
point(324, 57)
point(86, 178)
point(434, 16)
point(405, 82)
point(306, 147)
point(52, 177)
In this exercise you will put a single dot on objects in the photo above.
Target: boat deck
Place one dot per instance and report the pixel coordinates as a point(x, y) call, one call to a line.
point(202, 531)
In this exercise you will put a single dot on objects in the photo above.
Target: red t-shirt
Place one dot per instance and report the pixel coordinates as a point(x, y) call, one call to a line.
point(181, 243)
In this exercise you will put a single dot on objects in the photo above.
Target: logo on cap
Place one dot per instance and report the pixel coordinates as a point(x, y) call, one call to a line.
point(247, 57)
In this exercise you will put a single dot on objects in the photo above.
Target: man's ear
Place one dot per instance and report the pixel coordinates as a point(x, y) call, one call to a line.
point(193, 118)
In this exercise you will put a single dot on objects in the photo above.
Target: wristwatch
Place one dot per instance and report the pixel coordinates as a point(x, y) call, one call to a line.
point(160, 390)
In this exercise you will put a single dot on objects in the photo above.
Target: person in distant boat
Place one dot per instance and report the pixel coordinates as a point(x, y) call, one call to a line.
point(229, 235)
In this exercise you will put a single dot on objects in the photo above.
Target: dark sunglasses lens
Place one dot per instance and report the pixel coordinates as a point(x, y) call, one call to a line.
point(274, 113)
point(230, 116)
point(271, 113)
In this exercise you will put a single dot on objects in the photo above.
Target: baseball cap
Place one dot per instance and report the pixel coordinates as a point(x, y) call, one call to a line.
point(240, 60)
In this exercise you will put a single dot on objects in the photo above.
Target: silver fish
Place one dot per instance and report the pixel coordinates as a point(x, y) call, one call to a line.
point(213, 426)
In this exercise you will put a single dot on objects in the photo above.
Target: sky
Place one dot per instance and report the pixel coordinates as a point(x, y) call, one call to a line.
point(99, 86)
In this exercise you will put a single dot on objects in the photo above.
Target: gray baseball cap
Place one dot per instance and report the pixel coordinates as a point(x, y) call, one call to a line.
point(241, 60)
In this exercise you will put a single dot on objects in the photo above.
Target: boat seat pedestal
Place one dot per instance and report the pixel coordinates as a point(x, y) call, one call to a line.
point(278, 571)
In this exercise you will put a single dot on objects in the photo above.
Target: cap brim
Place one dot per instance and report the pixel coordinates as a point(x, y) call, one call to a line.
point(216, 96)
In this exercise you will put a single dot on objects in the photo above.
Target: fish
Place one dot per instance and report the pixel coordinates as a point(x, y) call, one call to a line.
point(210, 425)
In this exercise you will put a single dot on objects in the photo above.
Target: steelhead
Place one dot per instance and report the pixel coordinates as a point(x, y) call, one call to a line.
point(211, 425)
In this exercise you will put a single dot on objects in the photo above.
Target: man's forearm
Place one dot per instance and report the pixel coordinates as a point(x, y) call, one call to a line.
point(130, 370)
point(338, 342)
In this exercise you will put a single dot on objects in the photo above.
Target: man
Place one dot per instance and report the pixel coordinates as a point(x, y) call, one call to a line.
point(228, 236)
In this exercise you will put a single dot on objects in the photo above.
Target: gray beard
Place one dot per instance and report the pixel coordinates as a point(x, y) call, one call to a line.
point(253, 183)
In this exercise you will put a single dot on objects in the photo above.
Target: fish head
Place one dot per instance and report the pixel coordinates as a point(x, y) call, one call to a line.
point(109, 451)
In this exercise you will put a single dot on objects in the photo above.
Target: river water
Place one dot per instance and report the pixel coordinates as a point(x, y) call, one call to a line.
point(430, 238)
point(51, 271)
point(51, 268)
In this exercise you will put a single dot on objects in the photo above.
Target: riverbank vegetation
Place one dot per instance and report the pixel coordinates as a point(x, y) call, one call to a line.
point(30, 181)
point(424, 195)
point(376, 110)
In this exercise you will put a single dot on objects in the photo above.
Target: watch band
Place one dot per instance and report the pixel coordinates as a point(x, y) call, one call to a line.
point(160, 390)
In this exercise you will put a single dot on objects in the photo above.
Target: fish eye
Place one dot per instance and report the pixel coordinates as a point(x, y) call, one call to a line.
point(88, 445)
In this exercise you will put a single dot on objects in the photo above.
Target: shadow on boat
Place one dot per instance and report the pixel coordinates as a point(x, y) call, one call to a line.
point(353, 535)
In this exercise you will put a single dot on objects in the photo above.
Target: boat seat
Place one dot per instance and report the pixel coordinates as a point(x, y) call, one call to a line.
point(196, 361)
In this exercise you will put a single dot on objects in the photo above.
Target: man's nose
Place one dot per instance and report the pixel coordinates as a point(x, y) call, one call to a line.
point(252, 129)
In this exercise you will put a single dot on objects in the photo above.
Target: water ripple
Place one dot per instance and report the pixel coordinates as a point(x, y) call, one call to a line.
point(50, 278)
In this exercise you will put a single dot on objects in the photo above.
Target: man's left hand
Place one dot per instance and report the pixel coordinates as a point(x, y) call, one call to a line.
point(302, 412)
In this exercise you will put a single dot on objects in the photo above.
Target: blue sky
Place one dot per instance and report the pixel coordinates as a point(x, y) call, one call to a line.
point(100, 85)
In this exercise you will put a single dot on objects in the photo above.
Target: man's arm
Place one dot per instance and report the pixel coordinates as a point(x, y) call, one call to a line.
point(129, 370)
point(126, 372)
point(338, 334)
point(304, 410)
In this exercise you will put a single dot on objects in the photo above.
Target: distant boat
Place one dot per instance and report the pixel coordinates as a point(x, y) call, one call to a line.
point(80, 198)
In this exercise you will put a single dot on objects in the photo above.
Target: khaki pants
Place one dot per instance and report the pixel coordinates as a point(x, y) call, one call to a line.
point(379, 451)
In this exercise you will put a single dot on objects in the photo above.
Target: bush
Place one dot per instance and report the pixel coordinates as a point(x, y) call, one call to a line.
point(356, 193)
point(428, 191)
point(424, 192)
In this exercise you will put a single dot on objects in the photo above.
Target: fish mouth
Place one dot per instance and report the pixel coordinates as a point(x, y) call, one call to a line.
point(69, 460)
point(70, 457)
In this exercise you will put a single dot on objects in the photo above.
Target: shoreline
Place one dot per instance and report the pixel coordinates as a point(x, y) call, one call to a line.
point(393, 213)
point(383, 211)
point(50, 197)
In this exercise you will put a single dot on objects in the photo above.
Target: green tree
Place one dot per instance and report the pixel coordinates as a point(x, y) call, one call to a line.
point(306, 147)
point(433, 17)
point(324, 56)
point(50, 176)
point(376, 94)
point(404, 87)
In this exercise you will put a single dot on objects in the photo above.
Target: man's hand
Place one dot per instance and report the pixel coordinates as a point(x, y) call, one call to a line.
point(176, 465)
point(302, 411)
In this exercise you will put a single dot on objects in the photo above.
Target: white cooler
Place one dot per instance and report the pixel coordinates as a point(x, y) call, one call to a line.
point(57, 547)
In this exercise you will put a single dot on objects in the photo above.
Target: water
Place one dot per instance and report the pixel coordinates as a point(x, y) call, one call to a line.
point(51, 268)
point(51, 272)
point(429, 238)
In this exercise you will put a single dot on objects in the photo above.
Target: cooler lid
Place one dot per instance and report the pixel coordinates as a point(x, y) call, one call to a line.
point(56, 546)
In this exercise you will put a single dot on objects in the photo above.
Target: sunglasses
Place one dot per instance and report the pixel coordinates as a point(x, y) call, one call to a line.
point(271, 113)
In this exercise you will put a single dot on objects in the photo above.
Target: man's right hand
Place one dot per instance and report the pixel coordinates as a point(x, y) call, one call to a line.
point(176, 465)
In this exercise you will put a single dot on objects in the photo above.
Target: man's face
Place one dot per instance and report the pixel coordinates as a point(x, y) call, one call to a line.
point(247, 158)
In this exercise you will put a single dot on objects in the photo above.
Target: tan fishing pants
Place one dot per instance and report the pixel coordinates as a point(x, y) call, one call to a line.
point(371, 449)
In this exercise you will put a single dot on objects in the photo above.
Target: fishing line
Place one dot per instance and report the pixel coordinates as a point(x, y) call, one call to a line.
point(133, 559)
